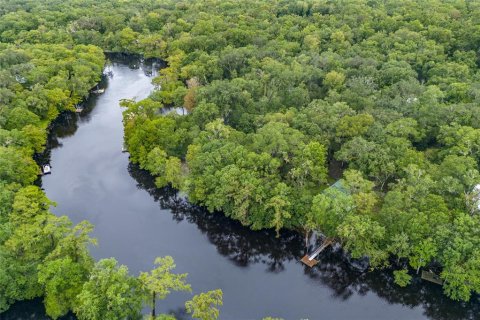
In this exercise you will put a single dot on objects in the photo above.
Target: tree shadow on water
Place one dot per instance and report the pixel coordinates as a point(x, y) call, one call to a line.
point(30, 309)
point(239, 244)
point(244, 247)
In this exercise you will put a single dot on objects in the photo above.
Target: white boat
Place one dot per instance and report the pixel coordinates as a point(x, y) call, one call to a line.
point(46, 169)
point(98, 91)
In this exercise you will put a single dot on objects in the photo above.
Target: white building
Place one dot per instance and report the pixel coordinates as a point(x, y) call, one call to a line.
point(476, 196)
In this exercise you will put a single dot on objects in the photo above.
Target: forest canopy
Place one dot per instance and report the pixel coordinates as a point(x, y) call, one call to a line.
point(283, 98)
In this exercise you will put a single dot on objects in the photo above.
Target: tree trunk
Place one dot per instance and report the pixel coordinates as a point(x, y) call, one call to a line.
point(153, 304)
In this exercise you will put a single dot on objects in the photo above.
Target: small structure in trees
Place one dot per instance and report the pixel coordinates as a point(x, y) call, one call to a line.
point(339, 186)
point(476, 196)
point(310, 260)
point(432, 277)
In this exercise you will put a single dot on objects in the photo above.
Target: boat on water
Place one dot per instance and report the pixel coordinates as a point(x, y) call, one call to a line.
point(98, 91)
point(46, 169)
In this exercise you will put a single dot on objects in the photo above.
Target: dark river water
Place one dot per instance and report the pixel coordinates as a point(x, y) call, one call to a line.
point(260, 275)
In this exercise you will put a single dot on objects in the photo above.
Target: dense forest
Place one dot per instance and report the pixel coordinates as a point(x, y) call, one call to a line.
point(282, 99)
point(42, 255)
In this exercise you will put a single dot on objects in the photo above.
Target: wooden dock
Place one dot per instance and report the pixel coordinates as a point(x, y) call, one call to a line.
point(310, 260)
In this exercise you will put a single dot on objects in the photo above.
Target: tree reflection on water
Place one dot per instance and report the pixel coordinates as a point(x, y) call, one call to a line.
point(243, 247)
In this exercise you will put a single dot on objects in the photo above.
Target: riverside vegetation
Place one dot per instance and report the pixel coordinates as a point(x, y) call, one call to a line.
point(42, 255)
point(277, 93)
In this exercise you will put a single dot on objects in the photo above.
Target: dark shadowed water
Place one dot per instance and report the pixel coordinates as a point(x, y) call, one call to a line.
point(259, 274)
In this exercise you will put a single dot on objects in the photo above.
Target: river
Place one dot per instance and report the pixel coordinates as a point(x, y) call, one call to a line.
point(260, 275)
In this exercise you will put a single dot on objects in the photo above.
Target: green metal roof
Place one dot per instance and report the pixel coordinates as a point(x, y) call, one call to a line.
point(339, 186)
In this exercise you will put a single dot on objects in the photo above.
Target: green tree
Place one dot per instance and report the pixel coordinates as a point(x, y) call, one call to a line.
point(29, 235)
point(402, 278)
point(280, 205)
point(63, 280)
point(204, 305)
point(66, 269)
point(159, 282)
point(334, 79)
point(362, 237)
point(308, 164)
point(173, 172)
point(354, 126)
point(16, 166)
point(329, 210)
point(109, 293)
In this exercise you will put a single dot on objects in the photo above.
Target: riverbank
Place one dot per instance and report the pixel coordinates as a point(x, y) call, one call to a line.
point(259, 273)
point(53, 79)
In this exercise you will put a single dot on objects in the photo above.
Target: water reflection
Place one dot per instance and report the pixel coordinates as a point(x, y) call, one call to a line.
point(241, 245)
point(244, 247)
point(28, 310)
point(67, 123)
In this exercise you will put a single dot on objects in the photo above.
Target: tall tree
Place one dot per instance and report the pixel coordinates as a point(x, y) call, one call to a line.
point(159, 282)
point(110, 293)
point(204, 305)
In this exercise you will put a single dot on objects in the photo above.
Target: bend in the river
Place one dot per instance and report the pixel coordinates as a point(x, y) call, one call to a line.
point(259, 274)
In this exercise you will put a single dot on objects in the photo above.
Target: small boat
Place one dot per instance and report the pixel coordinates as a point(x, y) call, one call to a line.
point(98, 91)
point(78, 108)
point(46, 169)
point(124, 149)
